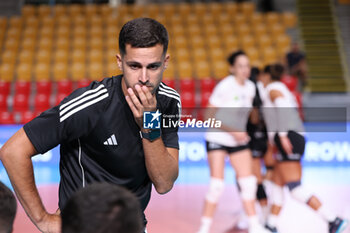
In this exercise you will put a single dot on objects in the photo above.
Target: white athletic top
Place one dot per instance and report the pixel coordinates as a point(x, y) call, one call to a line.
point(234, 103)
point(284, 118)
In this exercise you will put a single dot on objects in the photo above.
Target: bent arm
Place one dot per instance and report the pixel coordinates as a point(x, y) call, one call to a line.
point(239, 134)
point(16, 157)
point(162, 164)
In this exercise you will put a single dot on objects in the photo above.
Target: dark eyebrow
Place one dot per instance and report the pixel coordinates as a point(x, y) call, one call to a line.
point(155, 64)
point(133, 63)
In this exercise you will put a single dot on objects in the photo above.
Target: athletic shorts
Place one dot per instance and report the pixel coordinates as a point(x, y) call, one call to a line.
point(214, 146)
point(258, 139)
point(298, 143)
point(258, 145)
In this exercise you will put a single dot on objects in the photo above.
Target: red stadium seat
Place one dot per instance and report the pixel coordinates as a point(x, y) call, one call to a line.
point(43, 87)
point(207, 85)
point(20, 103)
point(60, 97)
point(170, 83)
point(6, 118)
point(188, 105)
point(290, 81)
point(27, 116)
point(187, 85)
point(42, 102)
point(188, 99)
point(64, 86)
point(4, 87)
point(299, 98)
point(3, 102)
point(205, 98)
point(23, 87)
point(83, 83)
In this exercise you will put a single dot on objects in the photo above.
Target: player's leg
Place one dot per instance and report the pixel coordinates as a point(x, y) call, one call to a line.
point(216, 160)
point(242, 223)
point(276, 199)
point(241, 161)
point(291, 172)
point(261, 195)
point(302, 194)
point(269, 162)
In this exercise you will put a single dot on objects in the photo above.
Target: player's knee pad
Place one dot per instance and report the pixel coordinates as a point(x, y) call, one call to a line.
point(216, 188)
point(261, 194)
point(277, 195)
point(248, 187)
point(299, 192)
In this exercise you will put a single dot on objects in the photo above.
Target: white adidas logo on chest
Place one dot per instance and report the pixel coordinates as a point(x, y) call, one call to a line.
point(111, 141)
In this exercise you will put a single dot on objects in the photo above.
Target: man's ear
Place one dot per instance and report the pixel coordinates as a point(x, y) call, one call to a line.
point(166, 61)
point(119, 61)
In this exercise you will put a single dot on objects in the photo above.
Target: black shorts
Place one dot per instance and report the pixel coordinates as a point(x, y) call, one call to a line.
point(258, 145)
point(258, 139)
point(214, 146)
point(298, 143)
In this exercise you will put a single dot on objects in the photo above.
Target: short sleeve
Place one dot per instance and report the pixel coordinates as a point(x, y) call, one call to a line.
point(172, 113)
point(74, 117)
point(218, 95)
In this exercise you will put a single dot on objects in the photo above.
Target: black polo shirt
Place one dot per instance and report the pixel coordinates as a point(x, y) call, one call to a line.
point(100, 140)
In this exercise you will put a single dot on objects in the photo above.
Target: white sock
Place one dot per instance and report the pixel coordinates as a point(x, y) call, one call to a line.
point(272, 220)
point(205, 224)
point(326, 214)
point(253, 220)
point(264, 213)
point(268, 186)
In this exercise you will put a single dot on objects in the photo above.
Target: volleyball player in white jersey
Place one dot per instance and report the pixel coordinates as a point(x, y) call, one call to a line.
point(231, 101)
point(284, 128)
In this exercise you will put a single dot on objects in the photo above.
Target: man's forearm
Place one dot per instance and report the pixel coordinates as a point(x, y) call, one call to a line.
point(16, 157)
point(26, 191)
point(162, 165)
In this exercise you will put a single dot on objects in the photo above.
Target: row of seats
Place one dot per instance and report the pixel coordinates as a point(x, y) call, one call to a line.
point(80, 41)
point(183, 9)
point(24, 108)
point(59, 71)
point(23, 90)
point(48, 94)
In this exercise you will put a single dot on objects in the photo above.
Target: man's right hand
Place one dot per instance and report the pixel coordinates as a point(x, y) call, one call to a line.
point(51, 223)
point(16, 156)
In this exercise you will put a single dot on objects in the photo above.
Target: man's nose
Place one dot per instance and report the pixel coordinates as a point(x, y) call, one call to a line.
point(143, 76)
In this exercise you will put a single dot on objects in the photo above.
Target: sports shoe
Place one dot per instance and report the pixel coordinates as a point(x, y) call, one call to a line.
point(258, 229)
point(338, 225)
point(242, 223)
point(203, 230)
point(271, 229)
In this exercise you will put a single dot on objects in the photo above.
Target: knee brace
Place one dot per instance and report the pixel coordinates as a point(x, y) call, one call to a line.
point(261, 194)
point(248, 187)
point(216, 188)
point(277, 195)
point(299, 192)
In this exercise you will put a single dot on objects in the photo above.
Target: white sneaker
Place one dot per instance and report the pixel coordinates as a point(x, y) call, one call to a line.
point(242, 222)
point(203, 230)
point(258, 229)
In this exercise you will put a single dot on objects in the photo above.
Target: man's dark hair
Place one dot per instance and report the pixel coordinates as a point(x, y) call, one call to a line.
point(275, 70)
point(102, 208)
point(233, 57)
point(143, 33)
point(8, 208)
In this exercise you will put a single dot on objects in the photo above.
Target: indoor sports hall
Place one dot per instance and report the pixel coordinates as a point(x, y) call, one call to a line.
point(50, 48)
